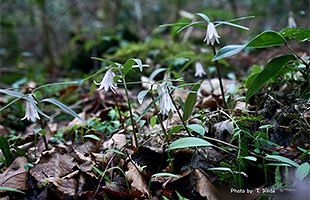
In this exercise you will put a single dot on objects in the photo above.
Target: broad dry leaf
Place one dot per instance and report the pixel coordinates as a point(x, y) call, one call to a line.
point(117, 141)
point(226, 125)
point(137, 181)
point(204, 187)
point(240, 105)
point(212, 86)
point(15, 176)
point(53, 165)
point(67, 184)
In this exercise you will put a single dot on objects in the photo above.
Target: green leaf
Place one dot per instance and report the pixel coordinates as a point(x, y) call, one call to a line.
point(197, 128)
point(203, 16)
point(302, 171)
point(141, 95)
point(187, 142)
point(5, 148)
point(92, 137)
point(282, 159)
point(228, 51)
point(279, 164)
point(63, 107)
point(127, 66)
point(251, 158)
point(156, 72)
point(109, 62)
point(139, 63)
point(166, 174)
point(8, 189)
point(218, 23)
point(173, 24)
point(149, 107)
point(175, 129)
point(129, 63)
point(299, 34)
point(224, 169)
point(270, 71)
point(190, 102)
point(241, 18)
point(12, 93)
point(153, 120)
point(266, 39)
point(190, 24)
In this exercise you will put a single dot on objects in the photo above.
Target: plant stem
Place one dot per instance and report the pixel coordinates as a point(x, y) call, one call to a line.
point(157, 113)
point(130, 112)
point(43, 125)
point(119, 111)
point(220, 78)
point(179, 114)
point(307, 73)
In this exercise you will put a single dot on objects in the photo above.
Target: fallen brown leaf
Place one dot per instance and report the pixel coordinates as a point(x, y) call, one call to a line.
point(52, 164)
point(204, 187)
point(15, 176)
point(138, 183)
point(117, 141)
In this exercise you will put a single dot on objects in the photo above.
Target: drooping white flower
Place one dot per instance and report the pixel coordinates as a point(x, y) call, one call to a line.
point(107, 81)
point(165, 102)
point(211, 35)
point(291, 22)
point(199, 70)
point(31, 109)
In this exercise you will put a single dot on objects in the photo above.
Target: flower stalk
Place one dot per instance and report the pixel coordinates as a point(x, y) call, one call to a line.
point(179, 114)
point(220, 78)
point(134, 131)
point(157, 113)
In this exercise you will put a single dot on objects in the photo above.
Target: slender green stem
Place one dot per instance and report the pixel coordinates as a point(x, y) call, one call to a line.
point(121, 119)
point(307, 73)
point(179, 114)
point(7, 105)
point(157, 113)
point(130, 110)
point(54, 84)
point(220, 78)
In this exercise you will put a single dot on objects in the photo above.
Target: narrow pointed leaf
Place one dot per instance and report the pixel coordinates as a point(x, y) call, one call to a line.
point(266, 39)
point(228, 51)
point(187, 142)
point(109, 62)
point(141, 95)
point(173, 24)
point(190, 24)
point(12, 93)
point(5, 148)
point(231, 24)
point(282, 159)
point(203, 16)
point(9, 189)
point(156, 72)
point(302, 171)
point(190, 102)
point(271, 70)
point(197, 128)
point(92, 137)
point(63, 107)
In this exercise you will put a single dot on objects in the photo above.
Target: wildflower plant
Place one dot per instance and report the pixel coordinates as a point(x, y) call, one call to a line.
point(211, 37)
point(110, 78)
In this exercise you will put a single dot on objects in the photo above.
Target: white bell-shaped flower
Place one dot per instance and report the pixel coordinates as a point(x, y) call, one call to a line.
point(211, 35)
point(199, 70)
point(31, 109)
point(291, 22)
point(107, 81)
point(165, 102)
